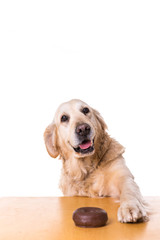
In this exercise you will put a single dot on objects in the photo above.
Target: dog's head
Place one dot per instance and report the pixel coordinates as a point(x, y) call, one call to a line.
point(74, 130)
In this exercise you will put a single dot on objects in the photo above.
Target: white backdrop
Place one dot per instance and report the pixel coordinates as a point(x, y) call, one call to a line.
point(106, 53)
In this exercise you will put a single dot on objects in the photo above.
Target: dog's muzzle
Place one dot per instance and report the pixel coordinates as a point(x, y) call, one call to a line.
point(86, 145)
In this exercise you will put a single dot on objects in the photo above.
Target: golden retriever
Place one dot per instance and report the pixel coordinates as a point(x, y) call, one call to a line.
point(93, 164)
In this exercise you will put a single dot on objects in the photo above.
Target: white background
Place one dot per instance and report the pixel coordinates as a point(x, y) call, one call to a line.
point(106, 53)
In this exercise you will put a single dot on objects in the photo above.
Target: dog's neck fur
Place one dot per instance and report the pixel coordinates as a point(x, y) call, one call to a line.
point(79, 171)
point(79, 168)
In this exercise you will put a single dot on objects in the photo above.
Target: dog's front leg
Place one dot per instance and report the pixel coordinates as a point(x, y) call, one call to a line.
point(132, 205)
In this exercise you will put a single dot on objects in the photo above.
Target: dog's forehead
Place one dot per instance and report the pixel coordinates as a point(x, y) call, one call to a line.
point(69, 107)
point(74, 104)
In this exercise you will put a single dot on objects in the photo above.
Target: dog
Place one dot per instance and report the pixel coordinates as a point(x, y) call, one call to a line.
point(93, 164)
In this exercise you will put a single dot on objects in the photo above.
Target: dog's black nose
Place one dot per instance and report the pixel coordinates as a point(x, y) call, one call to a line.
point(83, 129)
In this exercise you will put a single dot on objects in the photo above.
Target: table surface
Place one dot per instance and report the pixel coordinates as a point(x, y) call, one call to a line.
point(51, 218)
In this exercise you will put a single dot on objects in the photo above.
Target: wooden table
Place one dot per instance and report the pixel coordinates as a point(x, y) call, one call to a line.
point(51, 218)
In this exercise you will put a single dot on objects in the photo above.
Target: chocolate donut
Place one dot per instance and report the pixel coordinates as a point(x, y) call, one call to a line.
point(90, 217)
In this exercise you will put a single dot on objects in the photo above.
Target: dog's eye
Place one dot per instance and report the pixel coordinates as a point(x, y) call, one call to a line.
point(64, 118)
point(85, 110)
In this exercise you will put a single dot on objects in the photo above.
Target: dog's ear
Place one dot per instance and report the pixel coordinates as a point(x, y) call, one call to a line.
point(115, 150)
point(50, 138)
point(100, 120)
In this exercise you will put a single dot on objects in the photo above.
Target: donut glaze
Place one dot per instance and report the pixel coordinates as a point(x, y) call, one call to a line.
point(90, 217)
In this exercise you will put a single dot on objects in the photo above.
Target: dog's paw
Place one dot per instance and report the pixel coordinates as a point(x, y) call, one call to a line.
point(132, 212)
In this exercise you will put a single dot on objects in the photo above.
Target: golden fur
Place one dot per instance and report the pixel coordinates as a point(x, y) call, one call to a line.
point(98, 174)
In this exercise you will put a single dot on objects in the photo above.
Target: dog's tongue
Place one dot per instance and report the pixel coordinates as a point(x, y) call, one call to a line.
point(85, 145)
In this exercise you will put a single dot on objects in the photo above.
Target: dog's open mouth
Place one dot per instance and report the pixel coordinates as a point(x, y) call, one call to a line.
point(85, 147)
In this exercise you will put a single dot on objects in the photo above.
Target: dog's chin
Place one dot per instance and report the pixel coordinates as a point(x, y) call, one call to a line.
point(85, 148)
